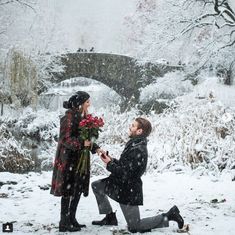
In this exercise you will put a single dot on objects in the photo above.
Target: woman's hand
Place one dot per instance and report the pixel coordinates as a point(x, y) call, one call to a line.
point(100, 151)
point(87, 143)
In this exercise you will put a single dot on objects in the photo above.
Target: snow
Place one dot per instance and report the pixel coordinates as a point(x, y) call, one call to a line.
point(188, 132)
point(36, 211)
point(232, 4)
point(55, 96)
point(68, 25)
point(167, 87)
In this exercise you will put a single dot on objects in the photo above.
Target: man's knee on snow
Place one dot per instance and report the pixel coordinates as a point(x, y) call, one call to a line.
point(133, 224)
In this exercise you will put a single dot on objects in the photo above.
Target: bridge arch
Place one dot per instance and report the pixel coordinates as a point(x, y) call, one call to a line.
point(121, 73)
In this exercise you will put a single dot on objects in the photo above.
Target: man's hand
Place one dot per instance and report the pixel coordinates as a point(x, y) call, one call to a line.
point(105, 158)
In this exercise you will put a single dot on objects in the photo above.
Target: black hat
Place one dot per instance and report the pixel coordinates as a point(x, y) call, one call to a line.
point(76, 100)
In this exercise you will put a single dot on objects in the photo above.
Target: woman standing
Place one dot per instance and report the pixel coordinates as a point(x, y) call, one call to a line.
point(66, 181)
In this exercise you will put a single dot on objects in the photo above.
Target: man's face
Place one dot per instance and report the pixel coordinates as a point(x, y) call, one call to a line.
point(134, 130)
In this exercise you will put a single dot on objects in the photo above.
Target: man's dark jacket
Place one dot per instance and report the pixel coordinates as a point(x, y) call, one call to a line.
point(124, 184)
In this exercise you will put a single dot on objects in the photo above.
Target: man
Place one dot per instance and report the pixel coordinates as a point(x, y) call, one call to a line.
point(124, 184)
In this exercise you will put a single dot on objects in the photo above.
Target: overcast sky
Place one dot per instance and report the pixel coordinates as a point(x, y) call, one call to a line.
point(59, 24)
point(88, 23)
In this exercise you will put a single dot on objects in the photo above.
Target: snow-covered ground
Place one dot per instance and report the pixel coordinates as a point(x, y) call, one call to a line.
point(34, 210)
point(189, 129)
point(169, 179)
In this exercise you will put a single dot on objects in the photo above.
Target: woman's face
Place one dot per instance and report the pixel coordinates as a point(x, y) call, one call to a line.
point(86, 105)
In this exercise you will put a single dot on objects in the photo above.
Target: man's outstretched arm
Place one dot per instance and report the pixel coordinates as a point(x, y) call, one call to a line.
point(126, 168)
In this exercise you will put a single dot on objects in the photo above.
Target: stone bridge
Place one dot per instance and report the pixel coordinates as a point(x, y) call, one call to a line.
point(121, 73)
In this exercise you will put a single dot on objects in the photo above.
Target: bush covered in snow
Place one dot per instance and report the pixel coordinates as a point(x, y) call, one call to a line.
point(27, 139)
point(158, 95)
point(13, 156)
point(170, 86)
point(196, 131)
point(193, 135)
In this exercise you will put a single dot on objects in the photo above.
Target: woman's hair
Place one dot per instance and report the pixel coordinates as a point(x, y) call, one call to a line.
point(145, 125)
point(66, 105)
point(76, 101)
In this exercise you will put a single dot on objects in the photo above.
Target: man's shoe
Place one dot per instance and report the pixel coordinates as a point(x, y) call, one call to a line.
point(109, 219)
point(174, 215)
point(140, 231)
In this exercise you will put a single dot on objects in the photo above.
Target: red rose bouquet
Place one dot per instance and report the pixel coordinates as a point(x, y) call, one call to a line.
point(89, 130)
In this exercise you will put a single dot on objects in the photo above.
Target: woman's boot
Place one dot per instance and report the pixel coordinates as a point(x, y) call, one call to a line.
point(65, 224)
point(72, 212)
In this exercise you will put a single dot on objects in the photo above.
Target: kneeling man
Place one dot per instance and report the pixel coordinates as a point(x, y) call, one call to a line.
point(124, 185)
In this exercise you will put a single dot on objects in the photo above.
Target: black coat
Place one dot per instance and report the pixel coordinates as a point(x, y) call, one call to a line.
point(124, 184)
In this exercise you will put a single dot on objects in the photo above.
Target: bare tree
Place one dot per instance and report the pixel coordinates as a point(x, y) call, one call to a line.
point(5, 19)
point(221, 16)
point(21, 2)
point(218, 17)
point(199, 33)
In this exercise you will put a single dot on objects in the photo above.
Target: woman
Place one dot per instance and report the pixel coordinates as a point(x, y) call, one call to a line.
point(66, 181)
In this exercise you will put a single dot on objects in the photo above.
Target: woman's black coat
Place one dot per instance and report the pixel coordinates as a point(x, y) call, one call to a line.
point(65, 180)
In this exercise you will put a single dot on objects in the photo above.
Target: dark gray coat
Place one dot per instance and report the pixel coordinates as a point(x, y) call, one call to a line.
point(124, 184)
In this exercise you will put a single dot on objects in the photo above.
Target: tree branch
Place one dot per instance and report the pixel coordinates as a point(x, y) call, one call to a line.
point(206, 16)
point(2, 32)
point(227, 24)
point(227, 9)
point(231, 33)
point(224, 13)
point(25, 4)
point(231, 43)
point(17, 1)
point(192, 26)
point(4, 3)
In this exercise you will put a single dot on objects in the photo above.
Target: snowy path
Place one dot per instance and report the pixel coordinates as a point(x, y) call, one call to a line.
point(36, 211)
